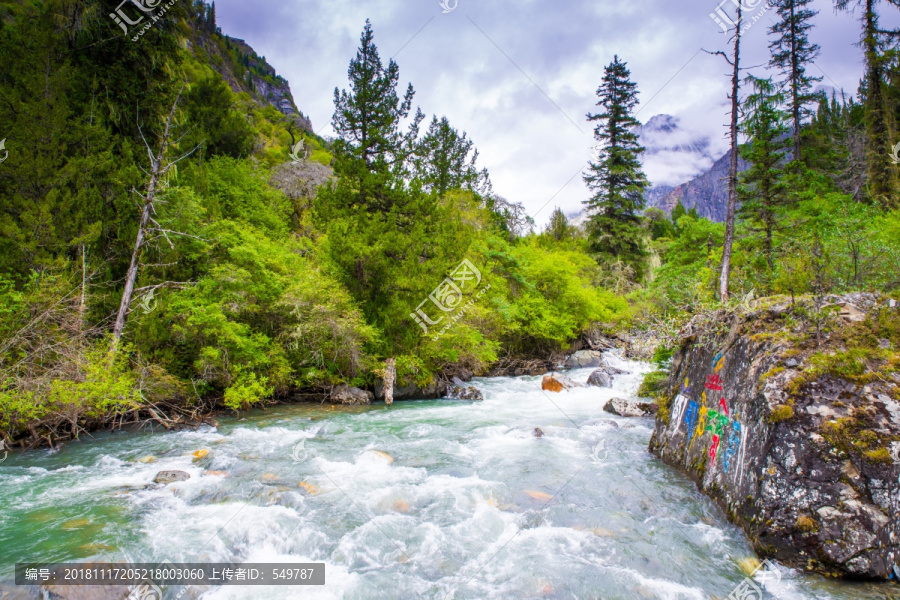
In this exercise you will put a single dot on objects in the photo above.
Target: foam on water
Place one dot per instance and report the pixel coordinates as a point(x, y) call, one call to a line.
point(431, 499)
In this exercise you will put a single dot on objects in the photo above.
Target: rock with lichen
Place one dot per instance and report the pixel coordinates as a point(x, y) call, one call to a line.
point(784, 415)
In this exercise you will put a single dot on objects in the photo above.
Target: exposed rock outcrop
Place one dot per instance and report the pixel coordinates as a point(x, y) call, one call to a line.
point(785, 417)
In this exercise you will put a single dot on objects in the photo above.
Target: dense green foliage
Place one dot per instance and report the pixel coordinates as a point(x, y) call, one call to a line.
point(245, 292)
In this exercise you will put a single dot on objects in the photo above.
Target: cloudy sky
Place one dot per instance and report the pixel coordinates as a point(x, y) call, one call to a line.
point(520, 75)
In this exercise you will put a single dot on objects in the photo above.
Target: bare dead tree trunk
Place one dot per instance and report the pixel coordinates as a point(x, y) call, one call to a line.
point(390, 375)
point(731, 207)
point(83, 286)
point(157, 172)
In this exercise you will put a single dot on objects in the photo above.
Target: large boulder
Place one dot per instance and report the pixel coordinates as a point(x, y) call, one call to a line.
point(554, 382)
point(344, 394)
point(464, 392)
point(167, 477)
point(584, 359)
point(630, 408)
point(600, 378)
point(789, 434)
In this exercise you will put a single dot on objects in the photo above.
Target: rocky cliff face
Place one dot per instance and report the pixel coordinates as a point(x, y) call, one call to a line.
point(708, 192)
point(786, 420)
point(245, 71)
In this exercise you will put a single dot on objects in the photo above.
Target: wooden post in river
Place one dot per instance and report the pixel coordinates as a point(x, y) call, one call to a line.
point(390, 374)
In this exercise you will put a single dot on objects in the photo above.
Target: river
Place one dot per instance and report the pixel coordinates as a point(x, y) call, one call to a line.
point(425, 499)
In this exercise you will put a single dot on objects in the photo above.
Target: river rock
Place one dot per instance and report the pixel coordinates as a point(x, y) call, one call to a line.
point(554, 382)
point(432, 391)
point(344, 394)
point(538, 432)
point(470, 392)
point(796, 457)
point(630, 408)
point(600, 378)
point(167, 477)
point(584, 359)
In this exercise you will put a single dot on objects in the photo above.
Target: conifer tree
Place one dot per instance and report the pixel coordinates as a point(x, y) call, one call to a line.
point(444, 159)
point(616, 178)
point(763, 194)
point(558, 227)
point(367, 121)
point(791, 53)
point(882, 184)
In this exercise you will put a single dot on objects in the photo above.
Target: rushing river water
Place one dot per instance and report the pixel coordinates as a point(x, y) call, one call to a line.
point(430, 499)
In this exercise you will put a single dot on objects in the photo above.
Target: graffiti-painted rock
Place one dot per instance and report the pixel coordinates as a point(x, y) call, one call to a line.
point(796, 456)
point(554, 382)
point(630, 408)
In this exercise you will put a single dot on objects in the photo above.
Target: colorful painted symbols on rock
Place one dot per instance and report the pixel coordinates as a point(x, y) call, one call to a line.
point(681, 402)
point(718, 362)
point(714, 382)
point(716, 425)
point(730, 450)
point(690, 418)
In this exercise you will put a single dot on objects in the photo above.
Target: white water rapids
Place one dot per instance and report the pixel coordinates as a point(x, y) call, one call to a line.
point(429, 499)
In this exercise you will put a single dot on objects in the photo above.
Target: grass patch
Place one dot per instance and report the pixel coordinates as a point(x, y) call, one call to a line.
point(654, 384)
point(771, 373)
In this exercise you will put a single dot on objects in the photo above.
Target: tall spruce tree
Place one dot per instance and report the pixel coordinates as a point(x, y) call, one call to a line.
point(367, 119)
point(882, 180)
point(791, 53)
point(445, 159)
point(763, 193)
point(616, 178)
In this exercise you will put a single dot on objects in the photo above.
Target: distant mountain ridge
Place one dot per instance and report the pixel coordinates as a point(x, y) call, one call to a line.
point(681, 165)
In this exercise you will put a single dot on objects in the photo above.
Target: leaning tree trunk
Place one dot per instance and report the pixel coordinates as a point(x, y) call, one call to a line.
point(156, 171)
point(733, 165)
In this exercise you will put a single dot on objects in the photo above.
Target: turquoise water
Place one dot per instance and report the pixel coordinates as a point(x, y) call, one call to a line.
point(430, 499)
